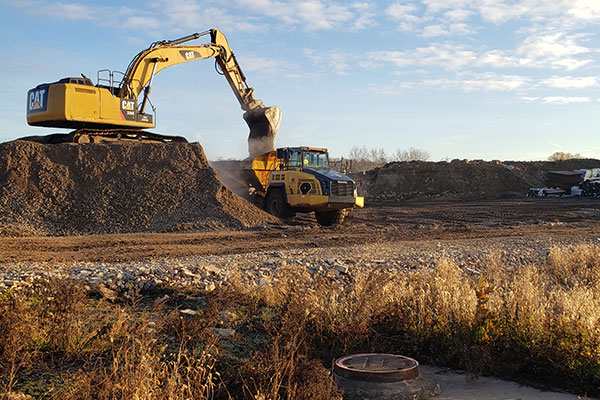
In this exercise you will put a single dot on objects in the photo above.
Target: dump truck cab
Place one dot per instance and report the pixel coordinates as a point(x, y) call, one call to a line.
point(299, 179)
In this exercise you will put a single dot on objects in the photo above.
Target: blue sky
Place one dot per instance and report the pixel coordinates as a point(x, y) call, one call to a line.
point(479, 79)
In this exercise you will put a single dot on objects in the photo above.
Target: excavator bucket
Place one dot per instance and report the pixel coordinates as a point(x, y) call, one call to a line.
point(264, 124)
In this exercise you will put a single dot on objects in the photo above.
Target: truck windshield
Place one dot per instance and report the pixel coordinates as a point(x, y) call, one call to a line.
point(315, 160)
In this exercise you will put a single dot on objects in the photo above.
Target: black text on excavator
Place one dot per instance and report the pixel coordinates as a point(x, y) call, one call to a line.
point(110, 109)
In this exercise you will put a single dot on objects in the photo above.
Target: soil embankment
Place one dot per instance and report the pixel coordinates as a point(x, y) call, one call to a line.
point(66, 189)
point(460, 179)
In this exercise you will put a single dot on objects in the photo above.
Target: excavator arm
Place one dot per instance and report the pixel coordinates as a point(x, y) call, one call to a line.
point(262, 121)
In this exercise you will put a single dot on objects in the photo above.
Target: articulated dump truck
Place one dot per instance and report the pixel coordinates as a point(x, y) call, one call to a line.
point(298, 179)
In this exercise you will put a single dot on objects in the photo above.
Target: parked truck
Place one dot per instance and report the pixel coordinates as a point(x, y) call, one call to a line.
point(580, 182)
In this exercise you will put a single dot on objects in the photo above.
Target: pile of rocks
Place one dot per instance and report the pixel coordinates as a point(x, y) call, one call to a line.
point(119, 187)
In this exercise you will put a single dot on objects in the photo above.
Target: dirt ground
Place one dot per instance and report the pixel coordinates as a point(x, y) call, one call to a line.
point(426, 225)
point(573, 218)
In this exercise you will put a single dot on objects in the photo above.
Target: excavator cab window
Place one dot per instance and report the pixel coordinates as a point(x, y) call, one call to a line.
point(77, 81)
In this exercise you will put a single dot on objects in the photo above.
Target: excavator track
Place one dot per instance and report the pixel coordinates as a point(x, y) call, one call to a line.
point(87, 135)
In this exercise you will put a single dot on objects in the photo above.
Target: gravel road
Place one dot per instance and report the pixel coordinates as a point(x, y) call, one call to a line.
point(210, 271)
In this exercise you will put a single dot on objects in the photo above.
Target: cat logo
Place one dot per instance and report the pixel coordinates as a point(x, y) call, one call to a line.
point(189, 54)
point(128, 105)
point(37, 100)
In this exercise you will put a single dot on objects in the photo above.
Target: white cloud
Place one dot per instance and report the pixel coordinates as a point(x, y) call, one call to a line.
point(227, 21)
point(499, 11)
point(189, 15)
point(570, 82)
point(391, 88)
point(464, 83)
point(434, 30)
point(499, 59)
point(460, 29)
point(313, 14)
point(404, 15)
point(529, 99)
point(486, 81)
point(550, 51)
point(365, 16)
point(184, 12)
point(435, 6)
point(318, 16)
point(335, 61)
point(555, 50)
point(267, 66)
point(586, 9)
point(66, 11)
point(565, 100)
point(142, 22)
point(446, 56)
point(551, 45)
point(276, 9)
point(458, 14)
point(571, 63)
point(175, 15)
point(569, 13)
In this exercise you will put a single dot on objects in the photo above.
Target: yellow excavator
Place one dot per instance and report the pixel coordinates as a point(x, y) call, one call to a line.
point(112, 109)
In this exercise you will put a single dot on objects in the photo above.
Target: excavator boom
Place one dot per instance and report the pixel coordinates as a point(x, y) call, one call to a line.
point(77, 103)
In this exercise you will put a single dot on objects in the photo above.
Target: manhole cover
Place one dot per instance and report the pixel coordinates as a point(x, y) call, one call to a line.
point(377, 367)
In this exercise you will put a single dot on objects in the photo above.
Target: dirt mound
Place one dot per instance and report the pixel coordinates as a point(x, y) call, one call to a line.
point(460, 179)
point(113, 188)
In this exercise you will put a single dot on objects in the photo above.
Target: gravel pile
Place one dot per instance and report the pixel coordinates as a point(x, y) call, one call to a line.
point(460, 179)
point(66, 189)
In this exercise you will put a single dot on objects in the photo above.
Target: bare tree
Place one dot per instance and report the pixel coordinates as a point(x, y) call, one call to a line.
point(378, 156)
point(363, 159)
point(359, 153)
point(411, 154)
point(561, 156)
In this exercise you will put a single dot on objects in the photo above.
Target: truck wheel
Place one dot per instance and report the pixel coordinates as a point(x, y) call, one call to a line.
point(328, 218)
point(275, 204)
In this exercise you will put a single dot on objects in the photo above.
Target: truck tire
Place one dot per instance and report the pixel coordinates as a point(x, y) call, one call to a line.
point(328, 218)
point(276, 205)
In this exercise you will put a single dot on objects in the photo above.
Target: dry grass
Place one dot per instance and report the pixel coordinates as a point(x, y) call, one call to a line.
point(72, 347)
point(533, 322)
